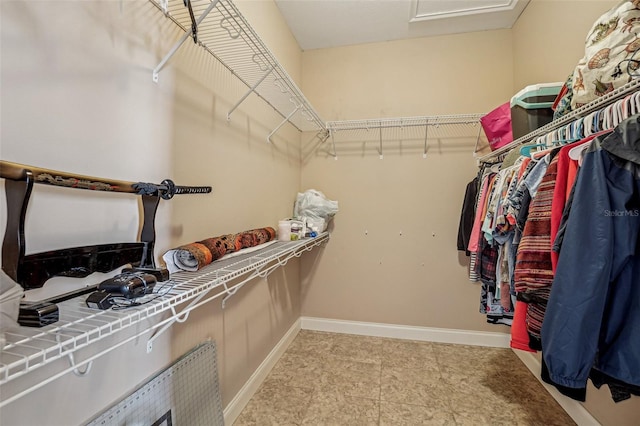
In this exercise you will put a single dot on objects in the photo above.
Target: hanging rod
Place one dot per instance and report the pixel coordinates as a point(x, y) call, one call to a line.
point(595, 105)
point(227, 36)
point(400, 122)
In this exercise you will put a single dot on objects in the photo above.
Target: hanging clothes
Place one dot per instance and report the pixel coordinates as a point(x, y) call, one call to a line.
point(593, 315)
point(565, 179)
point(474, 239)
point(467, 215)
point(533, 272)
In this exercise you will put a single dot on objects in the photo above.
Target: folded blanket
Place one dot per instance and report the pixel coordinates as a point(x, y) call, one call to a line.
point(193, 256)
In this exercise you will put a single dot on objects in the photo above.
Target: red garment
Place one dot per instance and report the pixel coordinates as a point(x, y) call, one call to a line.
point(483, 199)
point(519, 335)
point(523, 167)
point(566, 177)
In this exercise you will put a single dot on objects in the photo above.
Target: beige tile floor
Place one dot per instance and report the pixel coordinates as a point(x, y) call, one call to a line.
point(341, 379)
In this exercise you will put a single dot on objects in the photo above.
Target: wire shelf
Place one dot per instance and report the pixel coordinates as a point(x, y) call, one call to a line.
point(27, 349)
point(402, 122)
point(224, 33)
point(601, 102)
point(403, 134)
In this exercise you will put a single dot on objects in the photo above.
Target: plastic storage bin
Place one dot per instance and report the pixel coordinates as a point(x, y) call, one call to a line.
point(531, 107)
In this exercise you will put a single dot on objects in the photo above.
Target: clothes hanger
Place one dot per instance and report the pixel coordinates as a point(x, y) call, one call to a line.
point(580, 128)
point(625, 106)
point(607, 117)
point(525, 151)
point(538, 155)
point(576, 152)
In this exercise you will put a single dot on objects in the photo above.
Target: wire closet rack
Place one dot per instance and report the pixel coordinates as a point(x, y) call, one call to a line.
point(419, 129)
point(27, 349)
point(220, 29)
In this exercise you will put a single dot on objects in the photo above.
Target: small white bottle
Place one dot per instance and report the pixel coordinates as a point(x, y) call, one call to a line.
point(284, 230)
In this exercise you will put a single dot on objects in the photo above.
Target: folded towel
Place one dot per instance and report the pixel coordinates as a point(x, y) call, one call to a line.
point(194, 256)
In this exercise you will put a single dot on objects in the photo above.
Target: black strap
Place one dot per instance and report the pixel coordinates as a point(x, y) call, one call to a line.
point(194, 25)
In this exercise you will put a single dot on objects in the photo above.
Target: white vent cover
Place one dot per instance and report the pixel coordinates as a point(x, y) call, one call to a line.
point(186, 393)
point(438, 9)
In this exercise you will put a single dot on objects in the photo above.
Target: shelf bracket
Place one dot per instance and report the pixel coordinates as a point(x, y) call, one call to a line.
point(426, 134)
point(72, 362)
point(261, 272)
point(282, 123)
point(380, 149)
point(175, 317)
point(333, 143)
point(255, 274)
point(184, 38)
point(251, 90)
point(475, 150)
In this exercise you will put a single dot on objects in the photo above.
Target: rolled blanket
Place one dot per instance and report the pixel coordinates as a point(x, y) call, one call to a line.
point(193, 256)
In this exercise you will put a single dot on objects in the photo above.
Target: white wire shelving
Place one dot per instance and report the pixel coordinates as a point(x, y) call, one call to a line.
point(601, 102)
point(28, 349)
point(402, 122)
point(225, 34)
point(417, 128)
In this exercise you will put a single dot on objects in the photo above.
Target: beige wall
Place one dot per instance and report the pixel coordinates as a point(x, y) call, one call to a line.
point(392, 256)
point(77, 95)
point(548, 38)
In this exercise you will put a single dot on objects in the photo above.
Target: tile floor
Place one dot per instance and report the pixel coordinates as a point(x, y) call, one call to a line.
point(341, 379)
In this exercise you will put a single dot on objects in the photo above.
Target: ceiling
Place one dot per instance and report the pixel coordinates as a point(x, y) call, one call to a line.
point(318, 24)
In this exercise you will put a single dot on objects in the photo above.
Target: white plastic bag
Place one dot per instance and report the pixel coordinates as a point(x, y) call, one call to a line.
point(314, 206)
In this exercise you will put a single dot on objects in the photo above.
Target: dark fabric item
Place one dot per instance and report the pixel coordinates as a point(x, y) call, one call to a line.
point(521, 220)
point(467, 215)
point(595, 297)
point(534, 342)
point(488, 263)
point(579, 394)
point(619, 391)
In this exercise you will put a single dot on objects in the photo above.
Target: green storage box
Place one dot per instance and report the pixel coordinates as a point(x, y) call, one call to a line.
point(531, 107)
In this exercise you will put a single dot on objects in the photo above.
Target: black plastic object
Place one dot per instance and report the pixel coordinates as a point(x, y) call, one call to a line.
point(76, 262)
point(129, 285)
point(99, 300)
point(38, 314)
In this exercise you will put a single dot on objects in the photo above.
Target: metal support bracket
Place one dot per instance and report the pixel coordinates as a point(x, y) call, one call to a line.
point(184, 38)
point(282, 123)
point(426, 134)
point(179, 317)
point(261, 272)
point(251, 90)
point(72, 362)
point(380, 148)
point(333, 143)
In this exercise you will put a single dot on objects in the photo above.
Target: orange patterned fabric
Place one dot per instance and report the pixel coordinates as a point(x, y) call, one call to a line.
point(206, 251)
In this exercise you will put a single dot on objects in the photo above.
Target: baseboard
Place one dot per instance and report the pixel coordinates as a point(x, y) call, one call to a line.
point(429, 334)
point(242, 398)
point(574, 409)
